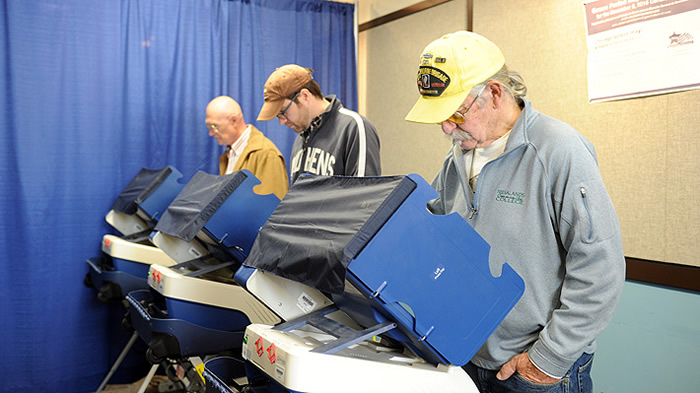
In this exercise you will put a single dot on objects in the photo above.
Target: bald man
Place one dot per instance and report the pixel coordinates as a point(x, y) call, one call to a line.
point(247, 147)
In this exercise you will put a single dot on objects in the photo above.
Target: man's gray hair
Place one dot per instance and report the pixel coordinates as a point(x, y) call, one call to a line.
point(512, 81)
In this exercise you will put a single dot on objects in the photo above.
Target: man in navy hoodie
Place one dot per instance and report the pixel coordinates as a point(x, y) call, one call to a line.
point(530, 185)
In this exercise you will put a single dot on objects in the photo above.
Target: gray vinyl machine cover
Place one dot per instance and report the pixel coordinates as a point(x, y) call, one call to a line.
point(139, 189)
point(197, 203)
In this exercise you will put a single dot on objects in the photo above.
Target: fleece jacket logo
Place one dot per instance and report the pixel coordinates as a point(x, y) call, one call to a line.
point(510, 197)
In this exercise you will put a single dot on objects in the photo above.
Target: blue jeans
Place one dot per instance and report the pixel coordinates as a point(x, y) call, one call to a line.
point(576, 380)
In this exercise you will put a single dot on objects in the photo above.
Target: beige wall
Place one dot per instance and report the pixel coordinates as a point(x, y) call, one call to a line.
point(368, 10)
point(388, 65)
point(648, 148)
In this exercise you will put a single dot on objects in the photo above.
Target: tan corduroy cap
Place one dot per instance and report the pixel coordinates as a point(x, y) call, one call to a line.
point(281, 84)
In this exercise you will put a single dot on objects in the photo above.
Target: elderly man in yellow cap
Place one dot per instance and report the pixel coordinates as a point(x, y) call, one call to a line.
point(332, 140)
point(246, 147)
point(530, 185)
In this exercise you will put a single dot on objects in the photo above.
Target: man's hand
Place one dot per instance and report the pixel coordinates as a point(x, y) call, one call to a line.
point(522, 364)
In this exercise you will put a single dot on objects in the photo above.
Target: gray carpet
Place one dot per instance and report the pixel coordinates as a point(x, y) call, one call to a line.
point(134, 387)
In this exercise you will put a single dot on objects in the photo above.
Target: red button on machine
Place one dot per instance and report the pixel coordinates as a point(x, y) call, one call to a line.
point(272, 354)
point(259, 346)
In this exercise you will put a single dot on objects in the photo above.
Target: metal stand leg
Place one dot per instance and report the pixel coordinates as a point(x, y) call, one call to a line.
point(119, 360)
point(146, 381)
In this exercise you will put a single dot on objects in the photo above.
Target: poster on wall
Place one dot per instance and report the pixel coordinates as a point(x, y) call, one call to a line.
point(641, 48)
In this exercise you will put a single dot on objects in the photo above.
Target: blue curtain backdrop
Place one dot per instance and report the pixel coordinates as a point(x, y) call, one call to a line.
point(91, 92)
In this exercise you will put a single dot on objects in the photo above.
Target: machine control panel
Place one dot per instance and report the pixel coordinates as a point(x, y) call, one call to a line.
point(156, 278)
point(265, 354)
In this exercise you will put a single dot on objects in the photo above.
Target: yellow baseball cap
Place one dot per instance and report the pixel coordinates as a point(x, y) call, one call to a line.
point(448, 70)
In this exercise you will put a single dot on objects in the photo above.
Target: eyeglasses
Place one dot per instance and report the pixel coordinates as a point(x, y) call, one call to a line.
point(460, 118)
point(282, 114)
point(213, 128)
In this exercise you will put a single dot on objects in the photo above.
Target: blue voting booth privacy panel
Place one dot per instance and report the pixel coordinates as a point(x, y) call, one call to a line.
point(431, 275)
point(225, 207)
point(156, 198)
point(142, 186)
point(237, 222)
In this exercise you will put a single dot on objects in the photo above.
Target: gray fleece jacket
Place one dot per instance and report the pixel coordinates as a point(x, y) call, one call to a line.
point(544, 210)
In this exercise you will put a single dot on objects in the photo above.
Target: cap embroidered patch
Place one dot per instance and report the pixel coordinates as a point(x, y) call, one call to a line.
point(432, 81)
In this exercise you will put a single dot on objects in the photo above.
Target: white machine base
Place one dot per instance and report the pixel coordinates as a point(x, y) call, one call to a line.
point(286, 357)
point(117, 247)
point(126, 224)
point(174, 285)
point(269, 299)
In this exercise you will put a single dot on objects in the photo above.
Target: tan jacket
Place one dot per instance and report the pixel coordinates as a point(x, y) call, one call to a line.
point(264, 160)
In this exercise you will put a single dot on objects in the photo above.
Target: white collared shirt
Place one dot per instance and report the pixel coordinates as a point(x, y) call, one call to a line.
point(237, 149)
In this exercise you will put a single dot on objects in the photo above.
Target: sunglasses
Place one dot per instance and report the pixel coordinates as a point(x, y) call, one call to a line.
point(460, 118)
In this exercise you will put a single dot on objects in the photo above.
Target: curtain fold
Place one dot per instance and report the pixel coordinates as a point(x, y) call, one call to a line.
point(90, 94)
